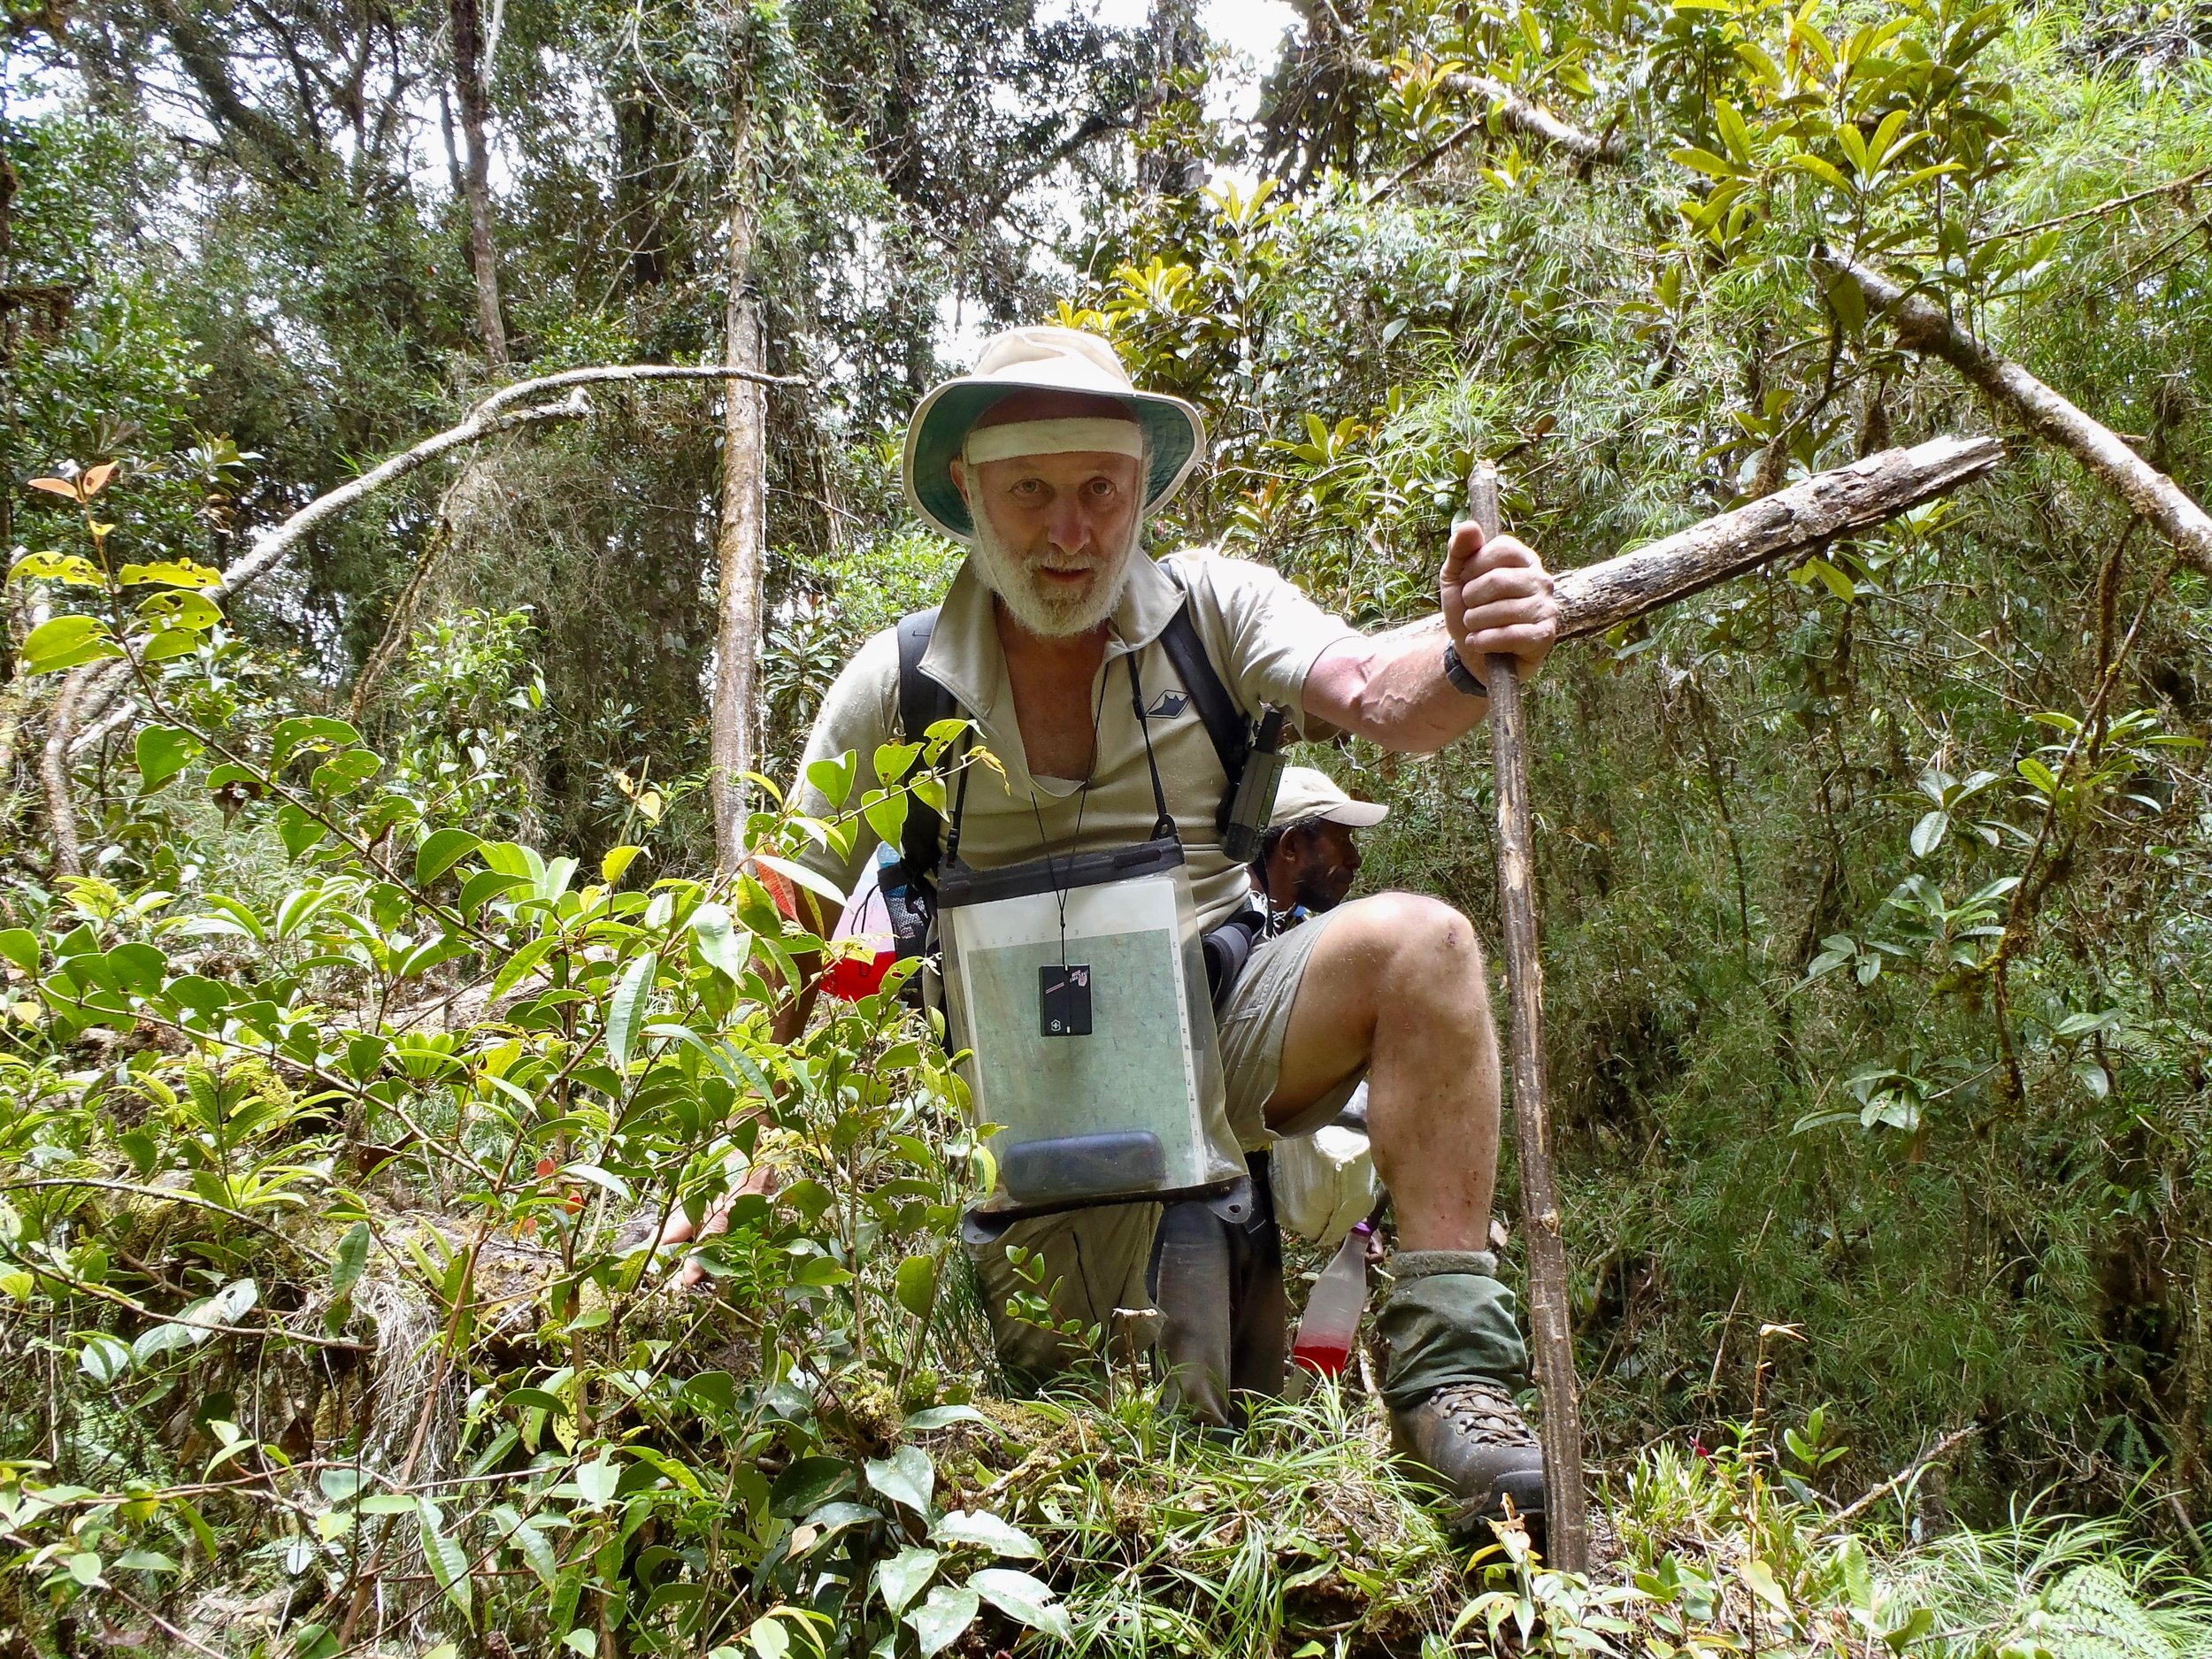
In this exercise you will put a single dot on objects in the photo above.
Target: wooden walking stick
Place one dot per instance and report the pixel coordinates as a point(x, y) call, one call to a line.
point(1566, 1518)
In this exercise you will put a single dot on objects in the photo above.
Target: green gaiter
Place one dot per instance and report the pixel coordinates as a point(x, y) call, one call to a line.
point(1447, 1320)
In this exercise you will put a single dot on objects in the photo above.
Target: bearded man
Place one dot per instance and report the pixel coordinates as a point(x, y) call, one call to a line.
point(1048, 462)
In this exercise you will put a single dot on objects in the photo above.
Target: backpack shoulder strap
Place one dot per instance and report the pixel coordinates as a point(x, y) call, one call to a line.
point(1217, 711)
point(922, 704)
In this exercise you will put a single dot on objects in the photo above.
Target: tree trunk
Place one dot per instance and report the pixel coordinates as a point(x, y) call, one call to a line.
point(472, 78)
point(741, 544)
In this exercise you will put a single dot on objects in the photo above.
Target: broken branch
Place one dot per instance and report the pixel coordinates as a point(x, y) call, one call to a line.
point(490, 416)
point(1922, 327)
point(1790, 521)
point(1530, 121)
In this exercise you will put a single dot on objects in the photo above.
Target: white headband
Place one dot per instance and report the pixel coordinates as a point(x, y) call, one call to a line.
point(1053, 437)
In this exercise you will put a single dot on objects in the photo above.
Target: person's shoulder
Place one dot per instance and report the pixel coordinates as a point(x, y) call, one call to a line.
point(1207, 572)
point(868, 684)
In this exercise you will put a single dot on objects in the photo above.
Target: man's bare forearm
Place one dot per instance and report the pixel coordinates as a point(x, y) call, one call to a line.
point(1390, 688)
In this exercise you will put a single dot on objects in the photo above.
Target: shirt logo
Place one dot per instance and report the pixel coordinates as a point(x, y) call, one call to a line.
point(1169, 705)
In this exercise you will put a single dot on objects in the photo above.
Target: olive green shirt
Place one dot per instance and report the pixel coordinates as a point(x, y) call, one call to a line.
point(1261, 634)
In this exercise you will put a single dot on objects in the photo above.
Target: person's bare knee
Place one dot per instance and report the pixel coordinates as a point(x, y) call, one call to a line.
point(1433, 957)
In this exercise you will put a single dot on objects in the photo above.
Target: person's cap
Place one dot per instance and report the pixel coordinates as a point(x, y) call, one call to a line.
point(1305, 793)
point(1049, 359)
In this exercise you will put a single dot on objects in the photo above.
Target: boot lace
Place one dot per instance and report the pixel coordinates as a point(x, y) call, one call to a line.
point(1485, 1412)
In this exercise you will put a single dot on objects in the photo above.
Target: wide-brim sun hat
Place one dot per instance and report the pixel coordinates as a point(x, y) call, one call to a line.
point(1048, 359)
point(1304, 794)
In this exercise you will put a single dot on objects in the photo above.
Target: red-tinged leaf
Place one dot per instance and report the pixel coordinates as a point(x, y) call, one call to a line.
point(96, 480)
point(56, 487)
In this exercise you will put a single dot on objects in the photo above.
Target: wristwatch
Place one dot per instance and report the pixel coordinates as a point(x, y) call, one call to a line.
point(1462, 676)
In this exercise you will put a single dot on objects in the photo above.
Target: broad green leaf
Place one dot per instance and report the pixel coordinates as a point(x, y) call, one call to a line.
point(917, 1285)
point(583, 1641)
point(485, 885)
point(905, 1477)
point(940, 1621)
point(886, 812)
point(512, 970)
point(595, 1482)
point(902, 1577)
point(893, 759)
point(833, 1518)
point(300, 831)
point(985, 1531)
point(627, 1007)
point(179, 608)
point(1763, 1583)
point(1827, 173)
point(722, 945)
point(345, 771)
point(536, 1553)
point(820, 885)
point(1706, 161)
point(302, 732)
point(617, 861)
point(66, 641)
point(449, 1562)
point(73, 569)
point(104, 1359)
point(440, 850)
point(932, 1418)
point(834, 778)
point(1023, 1598)
point(162, 752)
point(352, 1256)
point(170, 574)
point(20, 946)
point(1927, 836)
point(807, 1484)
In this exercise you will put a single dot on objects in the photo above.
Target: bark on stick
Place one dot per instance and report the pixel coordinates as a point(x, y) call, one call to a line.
point(1923, 326)
point(1790, 521)
point(1566, 1515)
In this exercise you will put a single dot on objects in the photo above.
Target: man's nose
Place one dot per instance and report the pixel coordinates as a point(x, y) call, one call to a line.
point(1067, 526)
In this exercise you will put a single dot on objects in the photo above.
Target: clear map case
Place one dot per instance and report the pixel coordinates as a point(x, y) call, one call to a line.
point(1079, 984)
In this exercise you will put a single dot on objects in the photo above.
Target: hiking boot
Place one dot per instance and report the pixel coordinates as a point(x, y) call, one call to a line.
point(1474, 1440)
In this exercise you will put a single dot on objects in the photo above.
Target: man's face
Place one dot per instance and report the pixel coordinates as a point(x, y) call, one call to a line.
point(1054, 534)
point(1321, 862)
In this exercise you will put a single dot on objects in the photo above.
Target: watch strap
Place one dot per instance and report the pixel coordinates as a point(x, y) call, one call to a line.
point(1463, 678)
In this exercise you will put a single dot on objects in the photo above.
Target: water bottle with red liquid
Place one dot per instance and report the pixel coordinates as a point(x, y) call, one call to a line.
point(1331, 1323)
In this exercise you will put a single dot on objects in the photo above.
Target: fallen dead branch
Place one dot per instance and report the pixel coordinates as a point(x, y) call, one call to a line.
point(1912, 1472)
point(1790, 521)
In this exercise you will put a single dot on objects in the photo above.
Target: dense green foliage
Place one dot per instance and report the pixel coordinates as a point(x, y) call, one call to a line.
point(390, 1003)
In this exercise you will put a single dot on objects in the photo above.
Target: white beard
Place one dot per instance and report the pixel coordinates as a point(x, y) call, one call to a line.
point(1052, 613)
